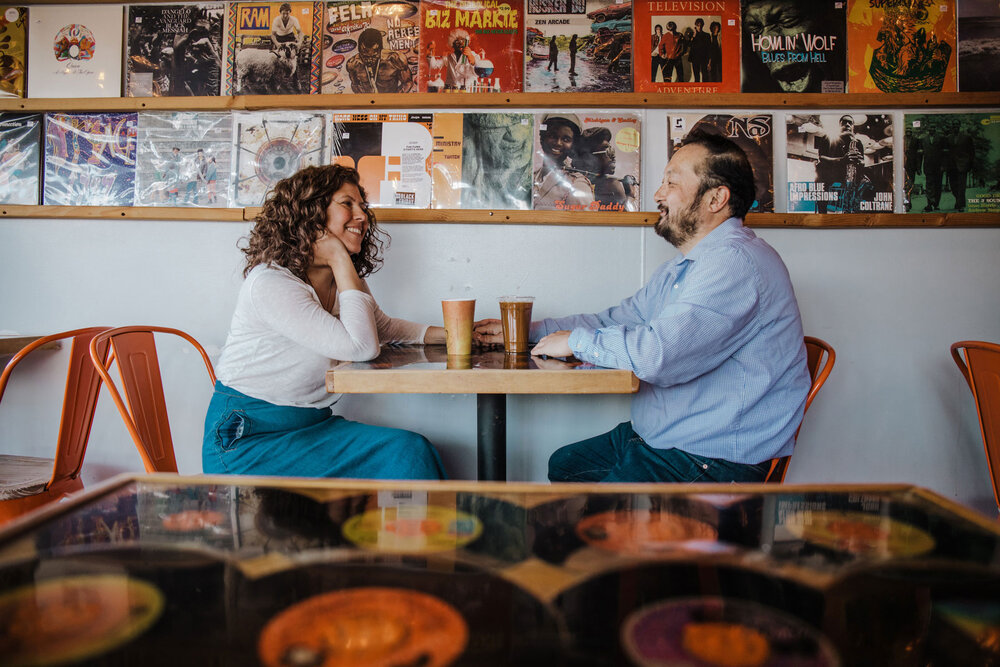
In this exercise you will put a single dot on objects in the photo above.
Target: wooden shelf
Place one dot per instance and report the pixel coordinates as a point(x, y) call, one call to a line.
point(513, 217)
point(418, 101)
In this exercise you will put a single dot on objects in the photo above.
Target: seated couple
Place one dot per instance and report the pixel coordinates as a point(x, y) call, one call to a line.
point(715, 338)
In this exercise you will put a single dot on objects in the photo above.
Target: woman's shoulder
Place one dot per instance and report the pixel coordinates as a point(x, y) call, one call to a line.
point(268, 275)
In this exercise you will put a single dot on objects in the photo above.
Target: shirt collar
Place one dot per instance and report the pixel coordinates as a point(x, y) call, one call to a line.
point(729, 228)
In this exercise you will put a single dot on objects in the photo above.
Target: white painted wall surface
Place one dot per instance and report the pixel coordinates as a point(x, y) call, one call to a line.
point(890, 301)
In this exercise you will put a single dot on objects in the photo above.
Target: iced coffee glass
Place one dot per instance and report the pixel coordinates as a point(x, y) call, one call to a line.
point(515, 317)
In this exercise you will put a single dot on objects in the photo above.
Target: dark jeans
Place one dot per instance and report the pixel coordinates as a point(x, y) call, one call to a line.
point(620, 455)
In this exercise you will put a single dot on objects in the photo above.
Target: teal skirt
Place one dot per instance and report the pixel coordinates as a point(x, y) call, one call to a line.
point(248, 436)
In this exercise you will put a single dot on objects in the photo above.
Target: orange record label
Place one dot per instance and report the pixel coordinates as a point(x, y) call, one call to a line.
point(860, 533)
point(412, 528)
point(365, 627)
point(73, 618)
point(721, 632)
point(641, 531)
point(189, 520)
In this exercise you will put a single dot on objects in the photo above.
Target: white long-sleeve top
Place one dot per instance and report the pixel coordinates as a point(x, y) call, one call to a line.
point(281, 341)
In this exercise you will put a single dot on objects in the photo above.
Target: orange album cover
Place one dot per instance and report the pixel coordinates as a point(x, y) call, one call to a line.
point(901, 46)
point(686, 47)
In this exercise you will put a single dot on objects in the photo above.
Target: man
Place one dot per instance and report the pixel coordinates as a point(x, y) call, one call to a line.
point(700, 51)
point(962, 155)
point(672, 51)
point(286, 29)
point(790, 19)
point(841, 166)
point(658, 59)
point(459, 65)
point(715, 338)
point(373, 71)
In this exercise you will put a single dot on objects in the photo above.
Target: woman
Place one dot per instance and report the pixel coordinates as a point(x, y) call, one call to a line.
point(304, 304)
point(557, 187)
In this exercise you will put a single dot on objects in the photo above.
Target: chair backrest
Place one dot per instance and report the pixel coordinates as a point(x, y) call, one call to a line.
point(83, 386)
point(820, 358)
point(144, 409)
point(981, 368)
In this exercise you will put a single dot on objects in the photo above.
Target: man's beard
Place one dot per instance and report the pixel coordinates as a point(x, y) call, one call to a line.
point(679, 227)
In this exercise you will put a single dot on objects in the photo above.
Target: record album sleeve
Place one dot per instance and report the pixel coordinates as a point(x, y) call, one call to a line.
point(482, 160)
point(901, 47)
point(174, 50)
point(273, 48)
point(371, 47)
point(392, 153)
point(840, 163)
point(471, 46)
point(184, 158)
point(978, 45)
point(687, 47)
point(794, 47)
point(754, 133)
point(951, 162)
point(13, 51)
point(75, 51)
point(89, 159)
point(586, 161)
point(20, 145)
point(578, 46)
point(269, 146)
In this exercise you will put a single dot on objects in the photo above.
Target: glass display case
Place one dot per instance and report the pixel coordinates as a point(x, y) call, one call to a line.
point(168, 570)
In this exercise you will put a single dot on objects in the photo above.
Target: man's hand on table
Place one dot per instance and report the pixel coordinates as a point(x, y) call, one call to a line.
point(487, 332)
point(556, 344)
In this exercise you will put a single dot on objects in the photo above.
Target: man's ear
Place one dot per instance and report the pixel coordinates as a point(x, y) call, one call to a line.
point(718, 199)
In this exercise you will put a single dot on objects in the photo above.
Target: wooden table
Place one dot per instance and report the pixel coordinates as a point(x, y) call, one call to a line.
point(165, 570)
point(490, 374)
point(10, 344)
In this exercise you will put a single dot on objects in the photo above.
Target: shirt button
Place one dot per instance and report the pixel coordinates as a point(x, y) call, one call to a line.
point(704, 466)
point(676, 285)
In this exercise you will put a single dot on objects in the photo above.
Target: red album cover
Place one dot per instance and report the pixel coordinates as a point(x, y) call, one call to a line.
point(471, 46)
point(686, 47)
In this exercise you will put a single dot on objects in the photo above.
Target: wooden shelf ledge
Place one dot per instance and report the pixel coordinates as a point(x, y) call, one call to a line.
point(417, 101)
point(546, 218)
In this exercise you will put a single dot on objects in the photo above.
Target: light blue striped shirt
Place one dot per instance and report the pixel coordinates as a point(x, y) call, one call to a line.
point(716, 339)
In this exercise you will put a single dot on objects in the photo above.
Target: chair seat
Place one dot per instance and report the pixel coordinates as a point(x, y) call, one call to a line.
point(22, 476)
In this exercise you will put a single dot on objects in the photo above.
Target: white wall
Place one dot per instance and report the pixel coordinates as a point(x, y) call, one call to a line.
point(890, 301)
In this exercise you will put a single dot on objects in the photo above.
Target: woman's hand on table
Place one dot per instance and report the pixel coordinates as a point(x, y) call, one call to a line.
point(487, 332)
point(556, 344)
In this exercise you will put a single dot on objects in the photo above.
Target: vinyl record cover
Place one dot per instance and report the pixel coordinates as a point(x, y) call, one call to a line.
point(184, 158)
point(754, 133)
point(951, 162)
point(75, 51)
point(89, 159)
point(13, 51)
point(174, 49)
point(794, 47)
point(482, 160)
point(693, 47)
point(471, 46)
point(392, 153)
point(901, 47)
point(273, 48)
point(20, 141)
point(840, 163)
point(978, 45)
point(371, 47)
point(578, 46)
point(586, 161)
point(271, 145)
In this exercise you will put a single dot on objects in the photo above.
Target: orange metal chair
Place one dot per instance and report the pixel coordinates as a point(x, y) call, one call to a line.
point(145, 409)
point(27, 482)
point(981, 368)
point(820, 358)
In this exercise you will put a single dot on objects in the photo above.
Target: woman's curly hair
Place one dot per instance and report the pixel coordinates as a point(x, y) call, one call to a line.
point(293, 218)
